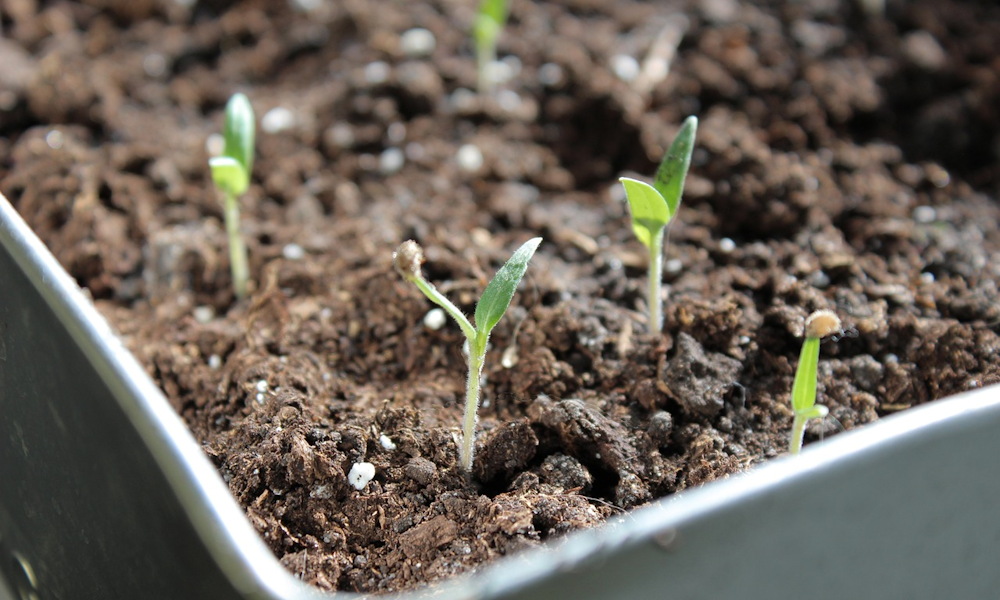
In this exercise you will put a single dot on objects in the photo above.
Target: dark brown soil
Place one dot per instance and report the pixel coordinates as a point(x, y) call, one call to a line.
point(843, 161)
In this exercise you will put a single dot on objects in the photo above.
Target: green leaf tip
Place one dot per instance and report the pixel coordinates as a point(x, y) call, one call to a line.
point(670, 176)
point(490, 20)
point(650, 212)
point(498, 293)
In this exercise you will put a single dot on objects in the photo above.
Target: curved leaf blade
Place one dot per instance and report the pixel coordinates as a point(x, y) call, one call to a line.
point(499, 292)
point(239, 132)
point(650, 212)
point(673, 168)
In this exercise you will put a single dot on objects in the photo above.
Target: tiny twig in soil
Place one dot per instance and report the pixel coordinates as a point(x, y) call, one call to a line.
point(489, 310)
point(231, 174)
point(654, 206)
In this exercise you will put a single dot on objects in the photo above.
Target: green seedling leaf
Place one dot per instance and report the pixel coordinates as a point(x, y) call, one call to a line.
point(239, 132)
point(490, 21)
point(804, 386)
point(650, 211)
point(499, 292)
point(673, 168)
point(229, 175)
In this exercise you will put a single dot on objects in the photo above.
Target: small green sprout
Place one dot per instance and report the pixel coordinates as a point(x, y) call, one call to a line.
point(654, 206)
point(490, 308)
point(485, 32)
point(819, 325)
point(231, 174)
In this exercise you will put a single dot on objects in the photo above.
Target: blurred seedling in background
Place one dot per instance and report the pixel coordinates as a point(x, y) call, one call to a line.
point(489, 310)
point(654, 206)
point(231, 174)
point(819, 324)
point(486, 31)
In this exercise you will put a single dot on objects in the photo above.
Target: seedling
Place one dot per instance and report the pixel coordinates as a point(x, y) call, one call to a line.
point(231, 174)
point(490, 308)
point(653, 207)
point(819, 325)
point(485, 32)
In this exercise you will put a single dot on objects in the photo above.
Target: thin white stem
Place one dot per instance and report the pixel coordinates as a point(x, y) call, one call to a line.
point(237, 249)
point(655, 294)
point(798, 432)
point(486, 55)
point(477, 354)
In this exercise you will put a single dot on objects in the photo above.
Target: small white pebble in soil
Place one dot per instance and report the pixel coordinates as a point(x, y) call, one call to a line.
point(727, 245)
point(927, 277)
point(54, 139)
point(499, 72)
point(320, 491)
point(340, 135)
point(509, 358)
point(215, 144)
point(435, 319)
point(463, 100)
point(417, 42)
point(550, 74)
point(395, 133)
point(469, 157)
point(924, 214)
point(509, 100)
point(414, 151)
point(214, 362)
point(203, 314)
point(262, 385)
point(307, 6)
point(386, 442)
point(391, 161)
point(154, 64)
point(744, 340)
point(293, 251)
point(277, 119)
point(625, 67)
point(377, 72)
point(361, 473)
point(673, 266)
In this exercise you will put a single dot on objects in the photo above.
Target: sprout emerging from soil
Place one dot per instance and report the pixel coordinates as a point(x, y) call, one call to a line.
point(231, 174)
point(485, 32)
point(819, 325)
point(654, 206)
point(489, 310)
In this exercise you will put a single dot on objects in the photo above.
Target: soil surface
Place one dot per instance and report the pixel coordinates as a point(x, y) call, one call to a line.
point(844, 160)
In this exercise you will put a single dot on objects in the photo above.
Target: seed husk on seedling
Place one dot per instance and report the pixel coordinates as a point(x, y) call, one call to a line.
point(489, 310)
point(654, 206)
point(231, 174)
point(819, 324)
point(490, 20)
